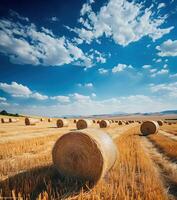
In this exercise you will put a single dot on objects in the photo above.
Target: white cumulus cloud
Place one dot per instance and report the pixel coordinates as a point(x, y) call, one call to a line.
point(19, 90)
point(3, 99)
point(61, 99)
point(146, 66)
point(168, 48)
point(120, 68)
point(24, 43)
point(103, 71)
point(123, 21)
point(168, 89)
point(160, 72)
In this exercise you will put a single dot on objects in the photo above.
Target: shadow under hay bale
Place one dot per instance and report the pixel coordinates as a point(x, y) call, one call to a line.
point(32, 183)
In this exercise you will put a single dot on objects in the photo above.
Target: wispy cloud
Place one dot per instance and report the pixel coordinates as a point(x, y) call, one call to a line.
point(103, 71)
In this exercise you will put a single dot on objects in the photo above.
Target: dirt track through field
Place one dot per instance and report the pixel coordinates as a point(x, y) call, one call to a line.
point(167, 168)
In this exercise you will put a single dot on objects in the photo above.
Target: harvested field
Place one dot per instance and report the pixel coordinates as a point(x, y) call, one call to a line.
point(144, 168)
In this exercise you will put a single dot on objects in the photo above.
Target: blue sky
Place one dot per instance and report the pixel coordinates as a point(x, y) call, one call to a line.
point(88, 57)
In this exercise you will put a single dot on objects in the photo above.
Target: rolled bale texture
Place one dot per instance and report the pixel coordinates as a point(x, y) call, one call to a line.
point(149, 127)
point(83, 123)
point(31, 121)
point(120, 122)
point(85, 155)
point(104, 124)
point(62, 123)
point(13, 120)
point(160, 122)
point(4, 120)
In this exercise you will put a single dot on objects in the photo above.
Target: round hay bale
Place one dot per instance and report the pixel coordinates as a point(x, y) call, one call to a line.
point(98, 121)
point(160, 122)
point(75, 121)
point(42, 119)
point(149, 127)
point(4, 120)
point(94, 121)
point(169, 123)
point(62, 123)
point(83, 123)
point(50, 120)
point(104, 124)
point(120, 122)
point(31, 121)
point(11, 120)
point(126, 122)
point(85, 155)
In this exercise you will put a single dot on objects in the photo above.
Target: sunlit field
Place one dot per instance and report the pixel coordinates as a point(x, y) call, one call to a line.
point(145, 166)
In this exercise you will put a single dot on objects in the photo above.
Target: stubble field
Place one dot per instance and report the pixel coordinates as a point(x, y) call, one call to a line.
point(146, 166)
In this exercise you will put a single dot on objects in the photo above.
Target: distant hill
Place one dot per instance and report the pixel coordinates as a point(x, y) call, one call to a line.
point(169, 112)
point(4, 112)
point(165, 112)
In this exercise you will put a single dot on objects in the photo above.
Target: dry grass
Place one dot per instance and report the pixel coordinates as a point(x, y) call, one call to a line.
point(167, 168)
point(170, 129)
point(133, 177)
point(165, 145)
point(19, 147)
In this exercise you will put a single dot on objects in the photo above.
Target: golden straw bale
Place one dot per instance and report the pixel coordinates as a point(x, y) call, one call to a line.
point(4, 120)
point(149, 127)
point(160, 122)
point(120, 122)
point(83, 123)
point(11, 120)
point(62, 123)
point(31, 121)
point(85, 155)
point(104, 124)
point(50, 120)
